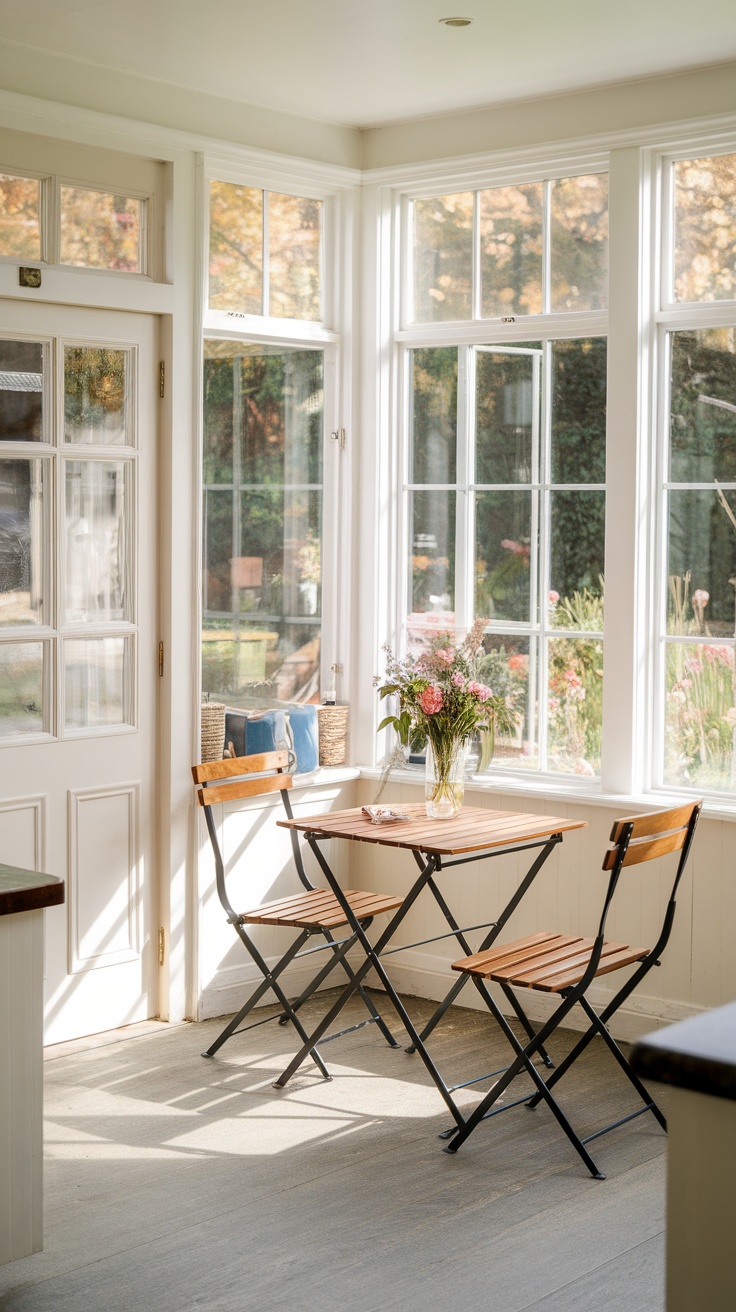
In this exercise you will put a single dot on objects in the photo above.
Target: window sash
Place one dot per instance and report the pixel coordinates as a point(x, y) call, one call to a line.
point(541, 488)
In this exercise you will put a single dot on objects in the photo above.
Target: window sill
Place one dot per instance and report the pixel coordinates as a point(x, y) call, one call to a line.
point(326, 776)
point(713, 808)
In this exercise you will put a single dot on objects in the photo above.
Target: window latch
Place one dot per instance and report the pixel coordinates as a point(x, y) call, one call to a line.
point(339, 436)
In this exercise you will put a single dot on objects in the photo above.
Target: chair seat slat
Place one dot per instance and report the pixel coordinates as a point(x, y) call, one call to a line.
point(320, 908)
point(614, 961)
point(574, 963)
point(520, 950)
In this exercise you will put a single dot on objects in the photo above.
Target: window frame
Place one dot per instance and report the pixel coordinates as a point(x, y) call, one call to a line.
point(395, 254)
point(334, 337)
point(49, 218)
point(669, 316)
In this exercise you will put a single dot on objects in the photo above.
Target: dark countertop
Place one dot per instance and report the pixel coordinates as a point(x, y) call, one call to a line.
point(698, 1053)
point(27, 890)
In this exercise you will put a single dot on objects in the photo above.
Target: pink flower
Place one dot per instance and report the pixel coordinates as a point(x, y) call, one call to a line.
point(515, 547)
point(458, 680)
point(554, 597)
point(432, 700)
point(445, 656)
point(700, 598)
point(479, 690)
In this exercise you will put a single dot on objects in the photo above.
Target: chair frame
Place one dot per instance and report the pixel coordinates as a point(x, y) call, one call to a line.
point(638, 838)
point(232, 779)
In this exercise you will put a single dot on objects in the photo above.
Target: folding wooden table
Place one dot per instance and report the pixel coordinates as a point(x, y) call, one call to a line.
point(436, 846)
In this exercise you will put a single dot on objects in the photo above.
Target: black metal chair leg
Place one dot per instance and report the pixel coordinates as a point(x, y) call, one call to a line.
point(270, 980)
point(529, 1030)
point(524, 1062)
point(623, 1062)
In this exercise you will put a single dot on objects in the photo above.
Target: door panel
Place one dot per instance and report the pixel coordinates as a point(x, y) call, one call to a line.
point(78, 647)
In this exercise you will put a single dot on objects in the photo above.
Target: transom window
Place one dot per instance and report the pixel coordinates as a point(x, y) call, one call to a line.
point(523, 249)
point(48, 220)
point(265, 253)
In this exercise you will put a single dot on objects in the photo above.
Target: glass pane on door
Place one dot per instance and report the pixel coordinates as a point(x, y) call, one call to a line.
point(97, 500)
point(97, 682)
point(98, 399)
point(22, 368)
point(22, 535)
point(22, 684)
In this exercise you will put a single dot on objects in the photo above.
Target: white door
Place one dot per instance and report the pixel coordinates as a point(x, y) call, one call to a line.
point(79, 647)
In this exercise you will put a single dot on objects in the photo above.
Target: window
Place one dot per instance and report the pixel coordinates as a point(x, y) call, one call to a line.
point(697, 352)
point(505, 449)
point(506, 510)
point(270, 389)
point(64, 223)
point(262, 522)
point(265, 253)
point(524, 249)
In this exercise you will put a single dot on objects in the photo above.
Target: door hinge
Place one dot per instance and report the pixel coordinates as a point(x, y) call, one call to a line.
point(161, 378)
point(161, 945)
point(160, 660)
point(339, 436)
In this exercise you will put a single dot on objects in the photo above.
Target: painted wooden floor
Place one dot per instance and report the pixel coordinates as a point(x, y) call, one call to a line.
point(174, 1183)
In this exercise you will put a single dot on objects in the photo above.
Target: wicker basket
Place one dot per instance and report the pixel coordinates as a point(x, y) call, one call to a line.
point(213, 730)
point(333, 734)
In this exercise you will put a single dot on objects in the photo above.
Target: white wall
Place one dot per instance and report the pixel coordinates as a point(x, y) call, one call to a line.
point(624, 107)
point(108, 91)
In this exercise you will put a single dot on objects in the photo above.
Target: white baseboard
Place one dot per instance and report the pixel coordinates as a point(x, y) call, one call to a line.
point(426, 976)
point(231, 987)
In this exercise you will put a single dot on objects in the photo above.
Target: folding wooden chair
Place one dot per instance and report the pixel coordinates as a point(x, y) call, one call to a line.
point(567, 965)
point(313, 911)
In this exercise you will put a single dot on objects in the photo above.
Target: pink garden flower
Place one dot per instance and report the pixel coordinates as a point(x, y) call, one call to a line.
point(457, 680)
point(431, 700)
point(554, 597)
point(700, 598)
point(479, 690)
point(444, 656)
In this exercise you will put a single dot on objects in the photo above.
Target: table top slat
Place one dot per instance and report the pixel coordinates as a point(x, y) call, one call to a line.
point(473, 829)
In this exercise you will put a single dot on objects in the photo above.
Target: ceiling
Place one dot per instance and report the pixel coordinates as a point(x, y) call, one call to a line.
point(361, 63)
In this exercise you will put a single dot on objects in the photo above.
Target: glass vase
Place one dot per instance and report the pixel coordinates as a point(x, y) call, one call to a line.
point(444, 779)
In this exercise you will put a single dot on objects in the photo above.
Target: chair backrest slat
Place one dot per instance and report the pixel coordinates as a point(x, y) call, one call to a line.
point(235, 766)
point(655, 834)
point(648, 849)
point(231, 792)
point(654, 822)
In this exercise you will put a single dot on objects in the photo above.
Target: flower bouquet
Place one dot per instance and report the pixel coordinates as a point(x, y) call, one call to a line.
point(441, 701)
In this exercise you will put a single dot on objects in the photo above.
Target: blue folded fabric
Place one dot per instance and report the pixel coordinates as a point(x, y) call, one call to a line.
point(252, 732)
point(305, 736)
